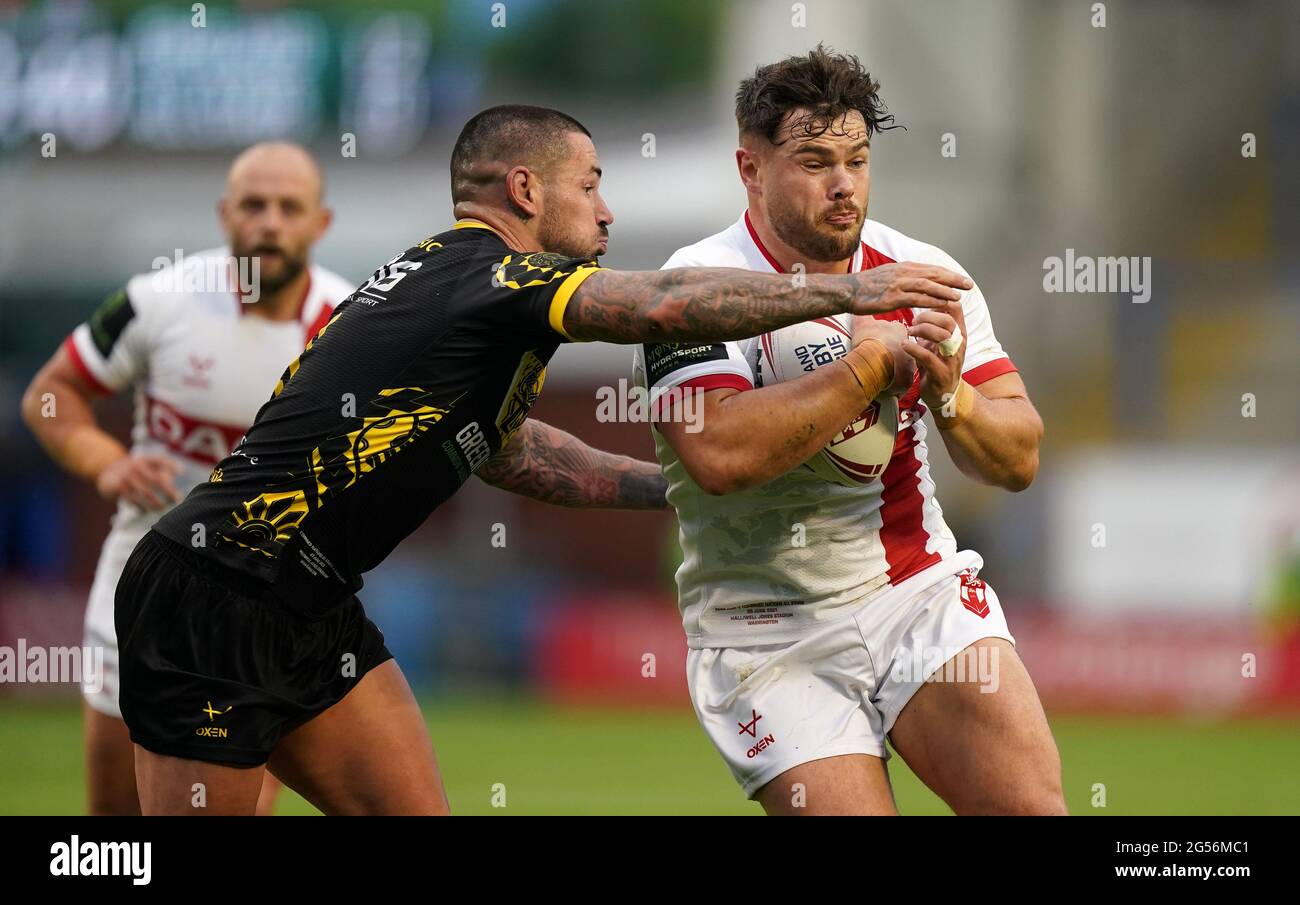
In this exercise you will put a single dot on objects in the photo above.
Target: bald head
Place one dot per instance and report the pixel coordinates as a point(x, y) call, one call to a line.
point(272, 210)
point(280, 162)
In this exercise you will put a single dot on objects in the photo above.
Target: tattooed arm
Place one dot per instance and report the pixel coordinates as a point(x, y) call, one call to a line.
point(714, 304)
point(547, 464)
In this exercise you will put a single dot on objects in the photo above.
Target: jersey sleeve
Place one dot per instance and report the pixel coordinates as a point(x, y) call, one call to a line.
point(111, 349)
point(985, 358)
point(541, 284)
point(667, 370)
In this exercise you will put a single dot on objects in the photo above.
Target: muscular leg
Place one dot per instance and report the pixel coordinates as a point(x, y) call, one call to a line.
point(983, 752)
point(846, 784)
point(266, 798)
point(167, 786)
point(368, 754)
point(110, 766)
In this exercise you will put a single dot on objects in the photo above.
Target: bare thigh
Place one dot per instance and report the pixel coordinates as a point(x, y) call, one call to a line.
point(178, 786)
point(110, 766)
point(983, 752)
point(368, 754)
point(847, 784)
point(266, 798)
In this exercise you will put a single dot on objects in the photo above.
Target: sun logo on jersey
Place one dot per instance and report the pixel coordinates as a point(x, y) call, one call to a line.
point(269, 521)
point(537, 269)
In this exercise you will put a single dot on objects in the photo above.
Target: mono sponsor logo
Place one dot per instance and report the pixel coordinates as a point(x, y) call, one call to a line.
point(37, 664)
point(209, 273)
point(102, 859)
point(1083, 273)
point(633, 404)
point(935, 664)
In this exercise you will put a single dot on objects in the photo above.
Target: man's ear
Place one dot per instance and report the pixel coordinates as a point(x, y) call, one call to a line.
point(747, 166)
point(325, 219)
point(524, 190)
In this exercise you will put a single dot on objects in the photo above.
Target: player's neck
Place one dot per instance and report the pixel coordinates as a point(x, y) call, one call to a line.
point(780, 253)
point(512, 233)
point(284, 303)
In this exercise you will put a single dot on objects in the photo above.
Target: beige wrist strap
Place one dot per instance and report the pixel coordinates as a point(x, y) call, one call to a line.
point(872, 366)
point(957, 407)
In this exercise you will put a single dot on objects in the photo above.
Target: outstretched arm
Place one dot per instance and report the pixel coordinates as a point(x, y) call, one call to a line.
point(715, 304)
point(547, 464)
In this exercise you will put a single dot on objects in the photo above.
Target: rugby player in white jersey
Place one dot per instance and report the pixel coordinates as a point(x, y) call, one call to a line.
point(804, 657)
point(201, 353)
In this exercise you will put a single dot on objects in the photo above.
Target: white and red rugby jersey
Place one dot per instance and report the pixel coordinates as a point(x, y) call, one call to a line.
point(768, 564)
point(201, 366)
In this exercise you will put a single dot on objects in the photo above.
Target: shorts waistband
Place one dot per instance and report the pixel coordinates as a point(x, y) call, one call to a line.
point(249, 585)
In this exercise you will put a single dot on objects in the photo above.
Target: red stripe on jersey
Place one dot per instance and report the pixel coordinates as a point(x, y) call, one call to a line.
point(902, 529)
point(194, 439)
point(753, 234)
point(873, 258)
point(702, 384)
point(987, 371)
point(82, 368)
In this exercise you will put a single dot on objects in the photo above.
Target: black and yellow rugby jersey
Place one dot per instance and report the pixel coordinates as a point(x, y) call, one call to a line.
point(420, 375)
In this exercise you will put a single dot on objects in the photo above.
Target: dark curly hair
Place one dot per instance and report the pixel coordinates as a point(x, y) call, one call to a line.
point(827, 84)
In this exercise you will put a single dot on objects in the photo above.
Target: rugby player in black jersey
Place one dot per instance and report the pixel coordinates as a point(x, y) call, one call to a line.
point(243, 644)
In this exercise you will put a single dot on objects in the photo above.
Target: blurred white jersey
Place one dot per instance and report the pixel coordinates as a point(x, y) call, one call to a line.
point(773, 563)
point(201, 368)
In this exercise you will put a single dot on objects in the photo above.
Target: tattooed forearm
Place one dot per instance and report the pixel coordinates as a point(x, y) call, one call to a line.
point(714, 304)
point(547, 464)
point(698, 304)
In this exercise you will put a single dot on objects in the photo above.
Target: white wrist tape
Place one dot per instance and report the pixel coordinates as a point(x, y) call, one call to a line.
point(948, 348)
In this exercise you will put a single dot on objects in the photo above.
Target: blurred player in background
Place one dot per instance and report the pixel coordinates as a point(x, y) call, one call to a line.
point(202, 352)
point(804, 657)
point(437, 360)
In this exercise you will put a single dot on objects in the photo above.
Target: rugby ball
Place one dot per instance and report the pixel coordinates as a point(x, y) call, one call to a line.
point(858, 454)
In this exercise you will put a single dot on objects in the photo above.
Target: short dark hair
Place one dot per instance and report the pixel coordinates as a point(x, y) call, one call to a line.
point(827, 84)
point(515, 134)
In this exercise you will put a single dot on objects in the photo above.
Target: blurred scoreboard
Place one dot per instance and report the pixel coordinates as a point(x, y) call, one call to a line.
point(176, 78)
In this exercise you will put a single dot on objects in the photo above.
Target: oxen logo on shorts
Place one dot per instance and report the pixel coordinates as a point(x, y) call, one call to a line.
point(974, 593)
point(752, 728)
point(214, 731)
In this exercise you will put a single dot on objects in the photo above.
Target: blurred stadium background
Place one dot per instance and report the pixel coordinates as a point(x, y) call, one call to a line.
point(1151, 575)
